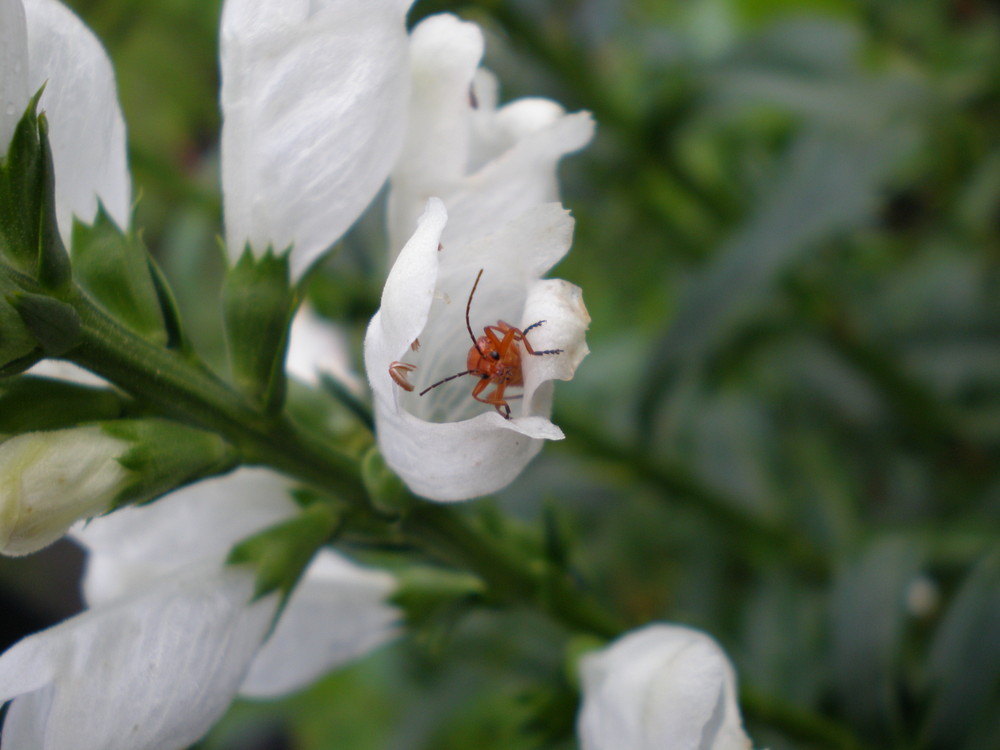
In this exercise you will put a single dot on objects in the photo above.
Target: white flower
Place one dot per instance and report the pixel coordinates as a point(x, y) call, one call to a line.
point(313, 97)
point(172, 634)
point(488, 165)
point(490, 175)
point(50, 480)
point(661, 686)
point(44, 43)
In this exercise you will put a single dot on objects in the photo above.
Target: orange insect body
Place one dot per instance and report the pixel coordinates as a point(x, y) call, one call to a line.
point(496, 359)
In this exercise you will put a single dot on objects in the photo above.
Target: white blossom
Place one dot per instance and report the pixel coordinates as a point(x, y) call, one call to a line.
point(314, 99)
point(44, 43)
point(172, 634)
point(488, 179)
point(661, 686)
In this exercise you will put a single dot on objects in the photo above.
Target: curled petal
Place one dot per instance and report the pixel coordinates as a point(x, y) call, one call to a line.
point(660, 686)
point(153, 671)
point(314, 108)
point(337, 613)
point(433, 442)
point(86, 127)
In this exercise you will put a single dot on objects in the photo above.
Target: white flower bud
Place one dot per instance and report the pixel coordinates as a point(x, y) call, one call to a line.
point(49, 480)
point(662, 686)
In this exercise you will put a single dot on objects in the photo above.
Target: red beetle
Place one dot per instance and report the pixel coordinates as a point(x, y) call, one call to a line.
point(495, 358)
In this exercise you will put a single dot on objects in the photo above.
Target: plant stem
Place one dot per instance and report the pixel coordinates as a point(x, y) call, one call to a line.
point(185, 390)
point(510, 578)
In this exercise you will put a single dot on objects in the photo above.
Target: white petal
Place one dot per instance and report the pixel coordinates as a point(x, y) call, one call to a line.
point(519, 179)
point(153, 671)
point(444, 55)
point(314, 97)
point(86, 128)
point(337, 613)
point(660, 686)
point(489, 166)
point(135, 545)
point(59, 369)
point(13, 69)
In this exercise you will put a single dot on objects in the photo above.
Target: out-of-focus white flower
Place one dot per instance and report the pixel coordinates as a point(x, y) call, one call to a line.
point(44, 43)
point(490, 175)
point(314, 101)
point(172, 634)
point(317, 346)
point(661, 686)
point(50, 480)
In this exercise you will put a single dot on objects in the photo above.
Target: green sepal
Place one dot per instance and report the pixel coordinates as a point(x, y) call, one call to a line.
point(113, 267)
point(386, 490)
point(54, 325)
point(258, 302)
point(282, 552)
point(176, 339)
point(30, 404)
point(16, 342)
point(54, 271)
point(21, 193)
point(166, 455)
point(29, 234)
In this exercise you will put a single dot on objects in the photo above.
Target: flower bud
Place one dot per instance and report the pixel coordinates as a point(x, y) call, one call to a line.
point(49, 480)
point(660, 686)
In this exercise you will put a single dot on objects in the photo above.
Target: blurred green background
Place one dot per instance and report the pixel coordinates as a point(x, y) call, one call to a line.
point(788, 430)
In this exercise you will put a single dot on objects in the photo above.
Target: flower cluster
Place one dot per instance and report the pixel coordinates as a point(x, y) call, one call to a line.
point(322, 103)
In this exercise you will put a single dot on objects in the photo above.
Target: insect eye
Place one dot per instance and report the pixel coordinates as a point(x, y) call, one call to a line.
point(484, 376)
point(495, 354)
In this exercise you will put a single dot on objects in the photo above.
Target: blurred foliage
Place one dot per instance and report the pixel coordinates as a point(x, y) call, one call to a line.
point(788, 432)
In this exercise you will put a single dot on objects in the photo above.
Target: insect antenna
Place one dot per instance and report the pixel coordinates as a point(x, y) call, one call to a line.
point(468, 306)
point(445, 380)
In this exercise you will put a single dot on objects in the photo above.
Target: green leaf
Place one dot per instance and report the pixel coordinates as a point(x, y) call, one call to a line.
point(21, 186)
point(964, 665)
point(30, 403)
point(114, 268)
point(385, 488)
point(16, 341)
point(282, 552)
point(258, 303)
point(29, 234)
point(868, 616)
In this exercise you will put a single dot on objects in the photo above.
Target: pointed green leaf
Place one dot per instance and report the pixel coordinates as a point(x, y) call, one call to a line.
point(282, 552)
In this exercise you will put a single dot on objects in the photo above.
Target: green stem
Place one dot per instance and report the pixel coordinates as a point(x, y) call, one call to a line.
point(511, 578)
point(187, 391)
